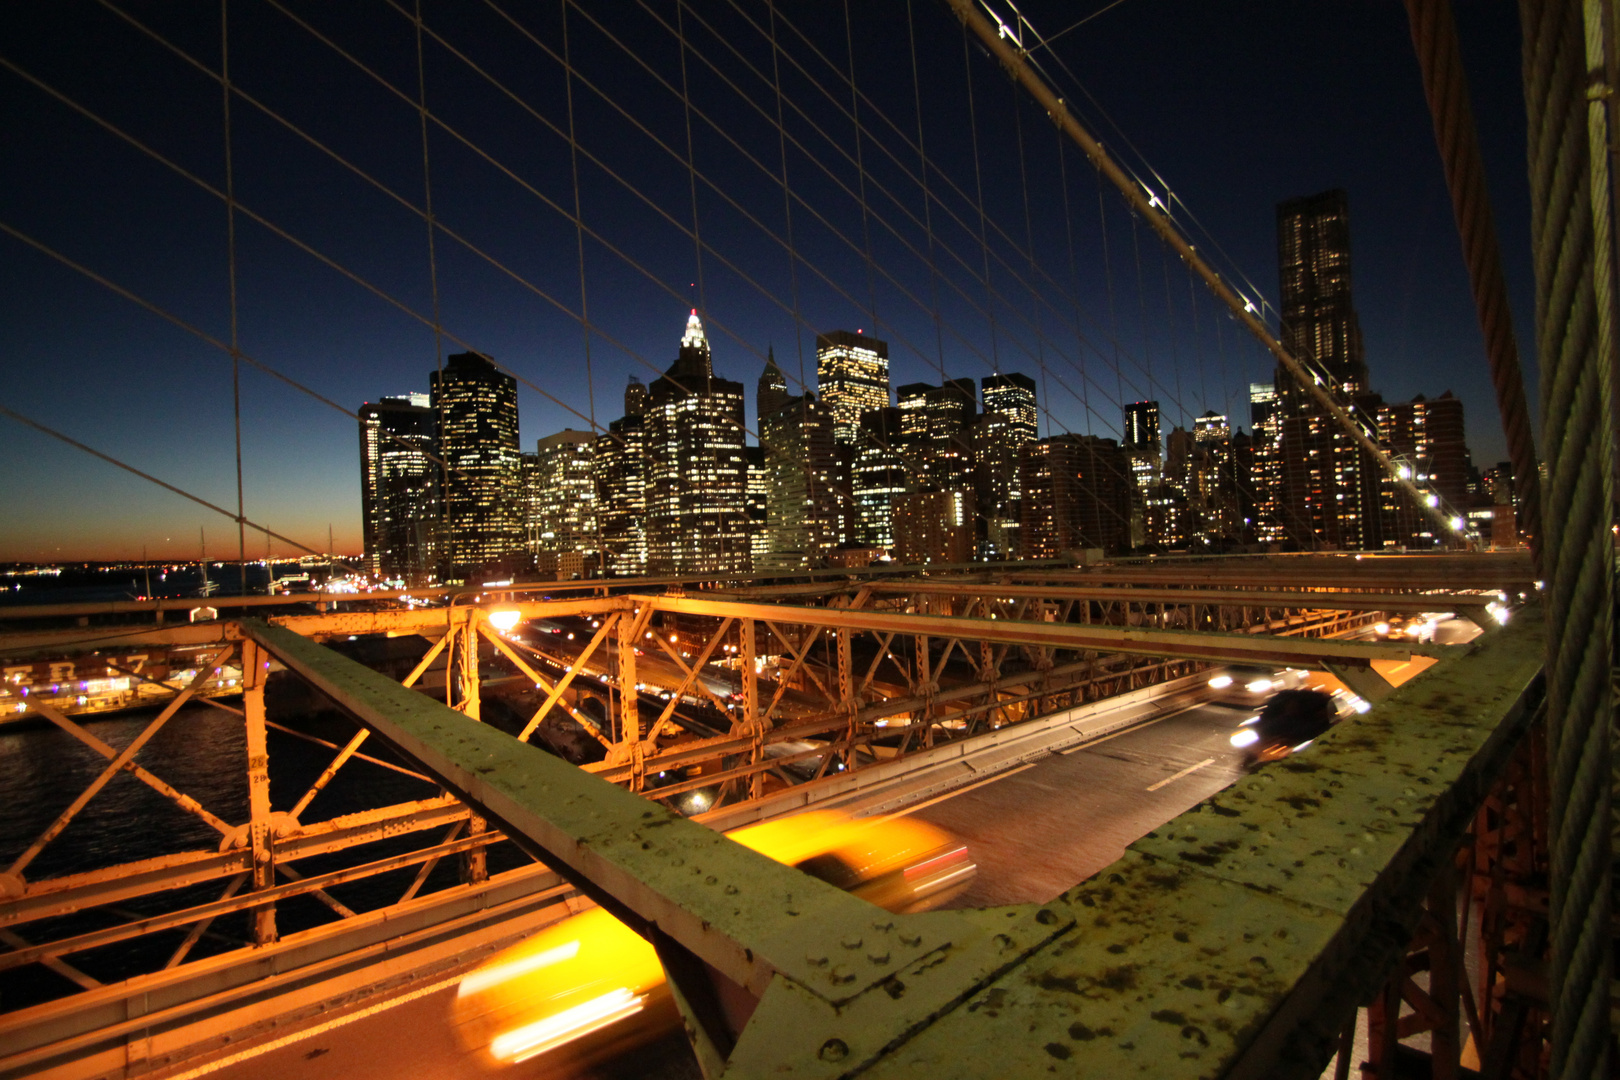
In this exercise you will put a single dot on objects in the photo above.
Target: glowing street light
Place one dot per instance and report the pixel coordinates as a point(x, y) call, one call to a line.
point(505, 619)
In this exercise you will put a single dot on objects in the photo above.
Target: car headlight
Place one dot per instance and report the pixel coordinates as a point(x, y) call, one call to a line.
point(1382, 628)
point(1259, 686)
point(1220, 682)
point(1245, 737)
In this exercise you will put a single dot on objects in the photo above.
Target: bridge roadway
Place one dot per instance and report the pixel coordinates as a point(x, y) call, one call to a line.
point(1034, 830)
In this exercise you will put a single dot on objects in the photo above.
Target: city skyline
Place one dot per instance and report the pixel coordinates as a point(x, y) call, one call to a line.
point(333, 336)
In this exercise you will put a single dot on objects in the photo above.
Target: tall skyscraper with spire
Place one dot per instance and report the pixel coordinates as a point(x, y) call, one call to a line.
point(697, 475)
point(772, 392)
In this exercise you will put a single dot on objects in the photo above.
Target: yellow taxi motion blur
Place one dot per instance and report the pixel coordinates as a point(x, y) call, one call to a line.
point(589, 986)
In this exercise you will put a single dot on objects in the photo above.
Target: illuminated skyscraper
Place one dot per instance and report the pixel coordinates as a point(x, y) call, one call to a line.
point(529, 500)
point(1142, 426)
point(1142, 444)
point(1329, 484)
point(1212, 479)
point(950, 409)
point(478, 436)
point(1266, 474)
point(801, 523)
point(1009, 421)
point(619, 469)
point(1426, 437)
point(697, 510)
point(758, 503)
point(771, 392)
point(1319, 324)
point(996, 441)
point(1013, 395)
point(936, 427)
point(852, 377)
point(635, 397)
point(1077, 494)
point(933, 527)
point(399, 488)
point(913, 406)
point(878, 476)
point(565, 496)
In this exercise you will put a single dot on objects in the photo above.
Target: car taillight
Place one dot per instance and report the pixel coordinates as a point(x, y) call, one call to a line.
point(936, 864)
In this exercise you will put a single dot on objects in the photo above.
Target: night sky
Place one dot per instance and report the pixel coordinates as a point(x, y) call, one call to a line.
point(1236, 106)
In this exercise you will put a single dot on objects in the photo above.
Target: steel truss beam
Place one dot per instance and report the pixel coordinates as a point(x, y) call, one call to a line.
point(817, 639)
point(1232, 941)
point(1189, 645)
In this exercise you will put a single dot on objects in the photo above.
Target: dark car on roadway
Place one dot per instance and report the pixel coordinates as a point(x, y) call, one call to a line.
point(1289, 721)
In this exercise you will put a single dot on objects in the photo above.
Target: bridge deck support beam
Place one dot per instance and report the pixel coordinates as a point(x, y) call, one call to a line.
point(258, 777)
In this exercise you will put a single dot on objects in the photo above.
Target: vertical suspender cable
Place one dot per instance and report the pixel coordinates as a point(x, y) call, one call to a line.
point(1573, 247)
point(860, 167)
point(1445, 84)
point(584, 297)
point(816, 509)
point(1108, 275)
point(691, 157)
point(1244, 312)
point(928, 206)
point(230, 244)
point(1074, 278)
point(978, 198)
point(443, 555)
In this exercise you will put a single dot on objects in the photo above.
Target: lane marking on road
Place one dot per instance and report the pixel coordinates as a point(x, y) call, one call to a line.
point(954, 792)
point(1188, 771)
point(316, 1029)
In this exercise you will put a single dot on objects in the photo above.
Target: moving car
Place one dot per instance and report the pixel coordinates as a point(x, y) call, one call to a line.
point(589, 987)
point(1248, 685)
point(1406, 628)
point(1291, 720)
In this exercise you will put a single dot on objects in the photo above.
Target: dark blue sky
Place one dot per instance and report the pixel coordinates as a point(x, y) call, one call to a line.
point(1236, 106)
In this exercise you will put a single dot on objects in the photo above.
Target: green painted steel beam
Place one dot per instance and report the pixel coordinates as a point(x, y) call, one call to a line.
point(753, 919)
point(1406, 603)
point(1236, 940)
point(1232, 942)
point(1224, 648)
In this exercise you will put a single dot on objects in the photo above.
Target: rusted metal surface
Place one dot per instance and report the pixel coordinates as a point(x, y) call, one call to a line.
point(952, 669)
point(1212, 647)
point(1235, 940)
